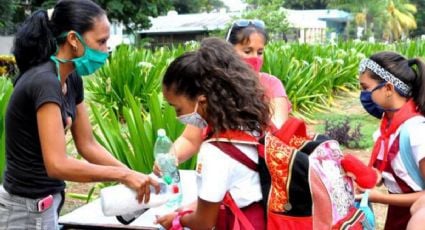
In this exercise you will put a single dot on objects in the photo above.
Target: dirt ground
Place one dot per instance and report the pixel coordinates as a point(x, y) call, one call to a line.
point(349, 106)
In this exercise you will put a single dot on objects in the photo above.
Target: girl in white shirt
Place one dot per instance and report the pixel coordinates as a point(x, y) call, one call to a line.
point(394, 91)
point(213, 87)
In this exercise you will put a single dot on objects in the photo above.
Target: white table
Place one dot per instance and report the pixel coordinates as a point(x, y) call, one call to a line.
point(90, 216)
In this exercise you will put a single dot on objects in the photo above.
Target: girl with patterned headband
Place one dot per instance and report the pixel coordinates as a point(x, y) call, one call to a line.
point(393, 90)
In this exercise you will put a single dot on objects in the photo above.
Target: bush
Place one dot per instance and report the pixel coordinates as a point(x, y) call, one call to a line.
point(343, 132)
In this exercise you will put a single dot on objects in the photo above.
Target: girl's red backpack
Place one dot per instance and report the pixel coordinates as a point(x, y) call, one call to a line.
point(304, 184)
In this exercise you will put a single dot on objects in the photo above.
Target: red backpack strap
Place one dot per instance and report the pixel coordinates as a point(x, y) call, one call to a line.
point(237, 212)
point(293, 127)
point(232, 151)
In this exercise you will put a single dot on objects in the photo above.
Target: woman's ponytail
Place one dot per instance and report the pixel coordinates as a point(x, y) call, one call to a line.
point(418, 92)
point(34, 41)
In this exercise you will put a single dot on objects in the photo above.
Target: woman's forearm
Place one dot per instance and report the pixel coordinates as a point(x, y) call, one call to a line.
point(97, 154)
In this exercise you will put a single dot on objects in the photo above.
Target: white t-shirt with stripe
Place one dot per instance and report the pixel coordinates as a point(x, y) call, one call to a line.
point(218, 173)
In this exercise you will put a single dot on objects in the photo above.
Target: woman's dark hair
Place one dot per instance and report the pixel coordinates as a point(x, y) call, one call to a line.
point(235, 99)
point(409, 71)
point(241, 34)
point(36, 39)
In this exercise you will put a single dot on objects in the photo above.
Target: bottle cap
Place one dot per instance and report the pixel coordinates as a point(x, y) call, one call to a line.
point(161, 132)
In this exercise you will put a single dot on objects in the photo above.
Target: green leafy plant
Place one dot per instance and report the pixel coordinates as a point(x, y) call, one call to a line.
point(310, 75)
point(132, 141)
point(140, 70)
point(314, 73)
point(5, 92)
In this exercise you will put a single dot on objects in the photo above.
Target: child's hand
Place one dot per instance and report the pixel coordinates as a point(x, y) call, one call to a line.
point(374, 194)
point(166, 221)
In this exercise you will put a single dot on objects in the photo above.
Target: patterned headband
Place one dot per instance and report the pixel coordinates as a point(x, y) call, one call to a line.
point(384, 74)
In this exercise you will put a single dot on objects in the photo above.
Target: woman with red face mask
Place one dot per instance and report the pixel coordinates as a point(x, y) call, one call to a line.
point(249, 38)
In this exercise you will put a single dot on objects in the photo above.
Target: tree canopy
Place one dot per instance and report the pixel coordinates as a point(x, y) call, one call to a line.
point(7, 8)
point(195, 6)
point(134, 14)
point(420, 17)
point(271, 13)
point(387, 19)
point(306, 4)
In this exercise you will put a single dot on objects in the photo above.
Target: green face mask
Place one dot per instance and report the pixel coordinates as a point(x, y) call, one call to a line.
point(88, 63)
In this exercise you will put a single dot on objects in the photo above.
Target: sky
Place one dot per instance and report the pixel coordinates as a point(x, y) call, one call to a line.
point(234, 5)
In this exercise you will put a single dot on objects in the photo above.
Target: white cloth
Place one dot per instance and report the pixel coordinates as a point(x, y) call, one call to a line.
point(218, 173)
point(416, 129)
point(120, 200)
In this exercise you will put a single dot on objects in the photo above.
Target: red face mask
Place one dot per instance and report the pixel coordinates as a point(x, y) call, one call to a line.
point(255, 62)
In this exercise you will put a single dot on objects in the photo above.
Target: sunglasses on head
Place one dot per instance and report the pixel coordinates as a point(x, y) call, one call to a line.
point(241, 23)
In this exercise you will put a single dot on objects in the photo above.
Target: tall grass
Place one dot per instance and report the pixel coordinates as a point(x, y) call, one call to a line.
point(140, 70)
point(5, 92)
point(132, 141)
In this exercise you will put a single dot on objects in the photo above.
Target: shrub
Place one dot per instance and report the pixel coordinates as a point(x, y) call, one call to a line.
point(343, 132)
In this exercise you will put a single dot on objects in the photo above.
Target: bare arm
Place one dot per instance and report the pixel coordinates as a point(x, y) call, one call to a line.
point(59, 165)
point(188, 143)
point(279, 108)
point(86, 145)
point(417, 221)
point(405, 200)
point(204, 216)
point(418, 214)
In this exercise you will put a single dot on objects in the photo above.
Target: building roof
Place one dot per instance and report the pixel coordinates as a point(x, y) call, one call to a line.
point(174, 23)
point(315, 18)
point(183, 23)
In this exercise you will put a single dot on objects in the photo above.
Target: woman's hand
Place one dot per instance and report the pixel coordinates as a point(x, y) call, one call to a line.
point(166, 221)
point(140, 183)
point(156, 169)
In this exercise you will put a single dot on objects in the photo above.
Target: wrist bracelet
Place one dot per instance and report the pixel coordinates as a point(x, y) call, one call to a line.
point(176, 225)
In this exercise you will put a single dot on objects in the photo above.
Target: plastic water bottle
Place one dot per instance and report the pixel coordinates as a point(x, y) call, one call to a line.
point(167, 162)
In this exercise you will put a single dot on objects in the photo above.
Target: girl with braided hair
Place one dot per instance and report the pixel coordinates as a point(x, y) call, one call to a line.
point(213, 87)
